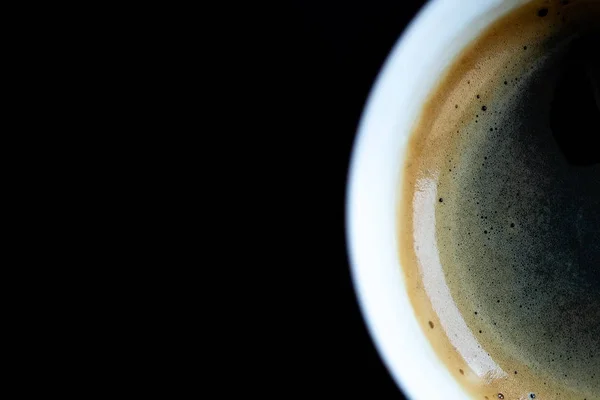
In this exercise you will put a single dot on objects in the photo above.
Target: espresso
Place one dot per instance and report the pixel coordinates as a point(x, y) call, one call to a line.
point(500, 212)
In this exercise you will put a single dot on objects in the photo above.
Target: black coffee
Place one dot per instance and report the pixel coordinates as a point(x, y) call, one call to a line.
point(510, 143)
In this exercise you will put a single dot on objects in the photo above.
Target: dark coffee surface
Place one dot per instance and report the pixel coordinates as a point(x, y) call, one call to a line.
point(510, 140)
point(519, 224)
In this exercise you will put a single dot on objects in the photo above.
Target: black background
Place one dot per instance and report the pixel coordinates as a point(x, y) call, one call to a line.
point(341, 48)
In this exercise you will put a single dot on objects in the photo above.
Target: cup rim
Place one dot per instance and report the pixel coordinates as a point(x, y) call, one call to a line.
point(408, 75)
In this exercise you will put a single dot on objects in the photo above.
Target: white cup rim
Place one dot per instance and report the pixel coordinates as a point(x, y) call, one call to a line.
point(439, 32)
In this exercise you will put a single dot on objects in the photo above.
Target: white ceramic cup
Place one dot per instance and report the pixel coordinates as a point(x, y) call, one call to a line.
point(441, 30)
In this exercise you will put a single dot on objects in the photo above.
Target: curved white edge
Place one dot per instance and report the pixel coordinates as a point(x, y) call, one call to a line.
point(434, 38)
